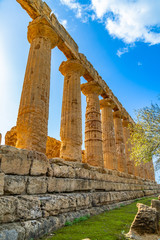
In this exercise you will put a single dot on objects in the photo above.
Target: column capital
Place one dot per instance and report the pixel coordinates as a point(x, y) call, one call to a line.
point(91, 87)
point(40, 28)
point(71, 65)
point(107, 102)
point(125, 122)
point(117, 114)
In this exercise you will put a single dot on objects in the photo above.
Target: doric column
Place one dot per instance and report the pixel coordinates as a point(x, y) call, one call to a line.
point(146, 170)
point(126, 134)
point(120, 146)
point(71, 116)
point(108, 135)
point(136, 170)
point(152, 174)
point(32, 121)
point(0, 138)
point(142, 170)
point(93, 131)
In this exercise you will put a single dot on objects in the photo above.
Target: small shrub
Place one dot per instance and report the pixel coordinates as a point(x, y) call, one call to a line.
point(77, 220)
point(68, 223)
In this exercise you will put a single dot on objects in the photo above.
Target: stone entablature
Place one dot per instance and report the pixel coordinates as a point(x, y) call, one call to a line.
point(67, 45)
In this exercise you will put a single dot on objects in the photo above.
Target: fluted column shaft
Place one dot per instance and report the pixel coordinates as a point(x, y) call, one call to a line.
point(120, 146)
point(108, 135)
point(136, 170)
point(126, 134)
point(142, 170)
point(152, 174)
point(71, 116)
point(146, 170)
point(93, 131)
point(32, 121)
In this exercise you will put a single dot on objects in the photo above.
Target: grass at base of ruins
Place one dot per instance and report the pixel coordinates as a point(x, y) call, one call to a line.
point(109, 225)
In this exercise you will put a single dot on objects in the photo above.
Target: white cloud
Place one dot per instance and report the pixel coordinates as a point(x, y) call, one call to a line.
point(72, 4)
point(122, 51)
point(64, 23)
point(128, 20)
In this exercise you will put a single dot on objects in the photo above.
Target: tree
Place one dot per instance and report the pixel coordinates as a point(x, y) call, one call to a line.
point(145, 135)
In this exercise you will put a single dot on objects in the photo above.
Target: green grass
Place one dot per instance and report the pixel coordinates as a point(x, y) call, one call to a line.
point(109, 225)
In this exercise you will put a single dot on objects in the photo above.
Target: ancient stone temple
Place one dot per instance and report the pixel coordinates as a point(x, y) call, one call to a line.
point(45, 182)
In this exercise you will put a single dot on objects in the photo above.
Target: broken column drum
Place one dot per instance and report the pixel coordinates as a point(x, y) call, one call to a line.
point(93, 128)
point(32, 121)
point(108, 135)
point(71, 117)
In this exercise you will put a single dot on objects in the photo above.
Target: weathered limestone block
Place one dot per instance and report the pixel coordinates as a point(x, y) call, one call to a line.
point(146, 222)
point(51, 184)
point(68, 203)
point(83, 173)
point(8, 206)
point(11, 137)
point(1, 183)
point(37, 228)
point(108, 135)
point(53, 148)
point(93, 128)
point(100, 198)
point(82, 185)
point(50, 205)
point(83, 201)
point(28, 207)
point(32, 121)
point(56, 204)
point(61, 185)
point(63, 171)
point(12, 231)
point(37, 185)
point(14, 161)
point(40, 163)
point(71, 117)
point(156, 204)
point(120, 146)
point(15, 184)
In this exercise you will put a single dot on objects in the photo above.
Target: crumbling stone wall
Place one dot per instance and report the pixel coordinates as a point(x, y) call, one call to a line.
point(38, 195)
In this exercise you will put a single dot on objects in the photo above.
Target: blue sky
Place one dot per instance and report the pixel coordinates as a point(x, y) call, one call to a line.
point(120, 38)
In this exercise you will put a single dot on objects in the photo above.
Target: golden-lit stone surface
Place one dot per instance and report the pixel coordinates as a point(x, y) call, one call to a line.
point(71, 116)
point(11, 137)
point(108, 135)
point(32, 121)
point(126, 134)
point(120, 146)
point(93, 129)
point(53, 147)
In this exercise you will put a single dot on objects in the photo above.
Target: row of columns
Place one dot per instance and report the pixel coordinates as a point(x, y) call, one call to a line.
point(106, 136)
